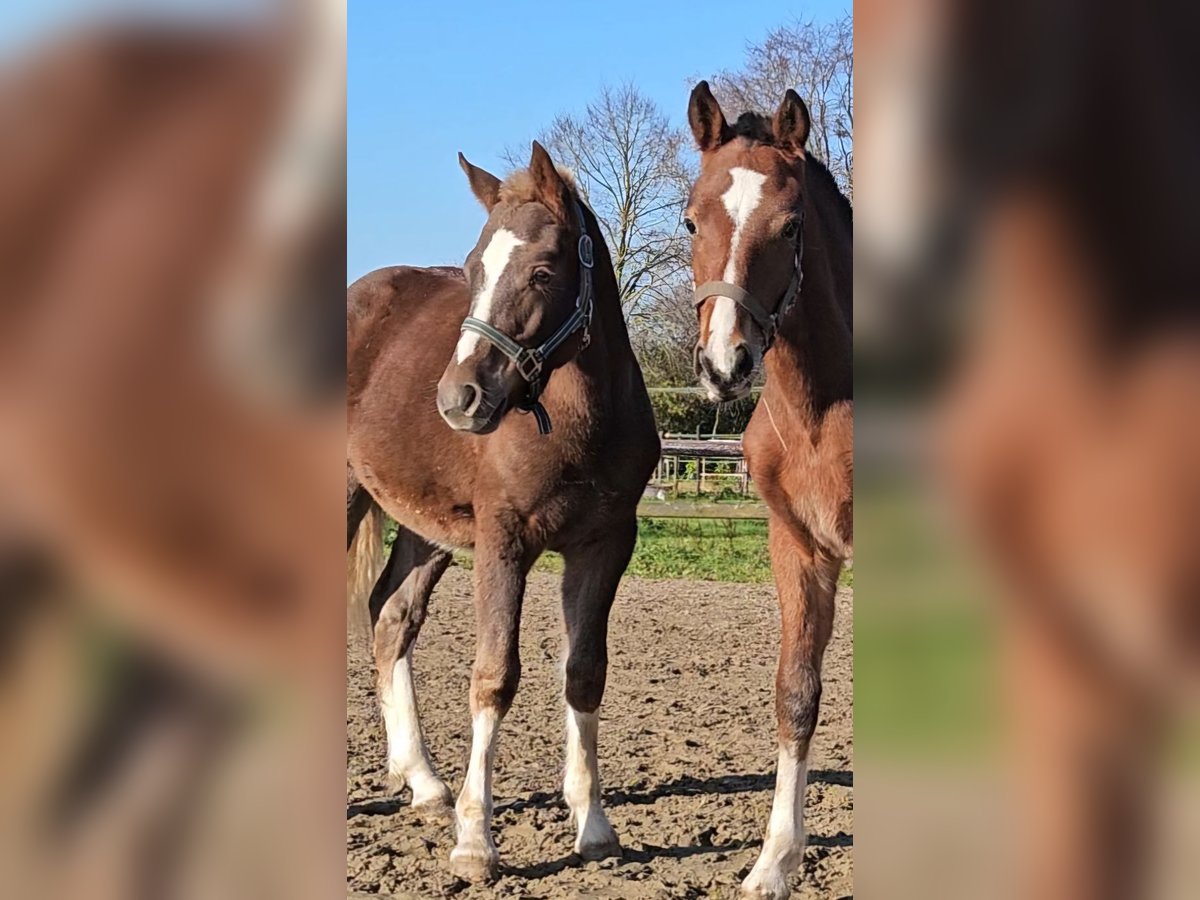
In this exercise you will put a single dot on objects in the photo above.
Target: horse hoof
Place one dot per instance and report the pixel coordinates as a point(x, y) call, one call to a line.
point(597, 850)
point(762, 887)
point(436, 799)
point(475, 865)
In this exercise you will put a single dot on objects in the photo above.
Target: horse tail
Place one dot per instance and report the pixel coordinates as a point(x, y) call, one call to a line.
point(364, 561)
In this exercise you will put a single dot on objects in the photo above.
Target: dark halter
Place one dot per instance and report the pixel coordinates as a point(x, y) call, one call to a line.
point(767, 320)
point(531, 362)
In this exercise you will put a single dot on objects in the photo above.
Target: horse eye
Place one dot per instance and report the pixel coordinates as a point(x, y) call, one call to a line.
point(689, 225)
point(541, 276)
point(791, 229)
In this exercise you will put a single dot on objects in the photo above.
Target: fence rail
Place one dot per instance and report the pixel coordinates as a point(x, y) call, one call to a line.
point(692, 465)
point(700, 509)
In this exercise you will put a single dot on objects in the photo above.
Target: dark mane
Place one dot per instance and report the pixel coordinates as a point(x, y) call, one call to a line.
point(758, 128)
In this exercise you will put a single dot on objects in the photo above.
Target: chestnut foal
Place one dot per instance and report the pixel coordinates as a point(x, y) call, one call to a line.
point(772, 247)
point(533, 323)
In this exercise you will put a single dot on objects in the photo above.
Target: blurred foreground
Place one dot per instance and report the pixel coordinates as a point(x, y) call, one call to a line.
point(1028, 381)
point(171, 453)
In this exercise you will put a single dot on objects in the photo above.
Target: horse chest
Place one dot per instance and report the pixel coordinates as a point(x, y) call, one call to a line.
point(805, 475)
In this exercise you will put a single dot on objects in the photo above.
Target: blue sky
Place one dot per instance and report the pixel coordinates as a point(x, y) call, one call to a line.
point(429, 79)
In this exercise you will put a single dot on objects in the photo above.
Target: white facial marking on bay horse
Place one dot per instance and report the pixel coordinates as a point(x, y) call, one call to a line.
point(741, 199)
point(784, 845)
point(495, 261)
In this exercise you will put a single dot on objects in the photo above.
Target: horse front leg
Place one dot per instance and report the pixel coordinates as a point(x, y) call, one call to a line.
point(591, 574)
point(806, 583)
point(500, 567)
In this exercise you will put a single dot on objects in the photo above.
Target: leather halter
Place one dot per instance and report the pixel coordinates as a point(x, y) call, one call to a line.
point(531, 361)
point(767, 320)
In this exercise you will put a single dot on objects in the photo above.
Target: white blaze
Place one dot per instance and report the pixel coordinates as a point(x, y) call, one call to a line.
point(741, 199)
point(495, 261)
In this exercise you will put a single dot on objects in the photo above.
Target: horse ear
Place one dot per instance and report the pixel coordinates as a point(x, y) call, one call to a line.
point(708, 122)
point(791, 123)
point(552, 191)
point(484, 185)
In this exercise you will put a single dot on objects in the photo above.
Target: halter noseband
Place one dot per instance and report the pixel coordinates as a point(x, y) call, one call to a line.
point(531, 362)
point(767, 320)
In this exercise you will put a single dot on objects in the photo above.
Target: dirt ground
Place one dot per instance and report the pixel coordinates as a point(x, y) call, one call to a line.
point(687, 752)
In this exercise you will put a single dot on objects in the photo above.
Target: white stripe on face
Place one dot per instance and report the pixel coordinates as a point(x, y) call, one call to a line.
point(741, 199)
point(495, 261)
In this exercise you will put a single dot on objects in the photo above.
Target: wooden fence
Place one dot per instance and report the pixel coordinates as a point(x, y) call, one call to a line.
point(716, 462)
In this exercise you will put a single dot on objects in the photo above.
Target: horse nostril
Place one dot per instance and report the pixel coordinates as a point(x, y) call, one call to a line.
point(742, 363)
point(697, 358)
point(468, 398)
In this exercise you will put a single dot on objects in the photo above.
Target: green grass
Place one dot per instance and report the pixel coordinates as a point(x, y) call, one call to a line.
point(695, 549)
point(702, 549)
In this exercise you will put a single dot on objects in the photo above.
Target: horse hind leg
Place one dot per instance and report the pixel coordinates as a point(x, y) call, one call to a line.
point(590, 580)
point(806, 585)
point(398, 605)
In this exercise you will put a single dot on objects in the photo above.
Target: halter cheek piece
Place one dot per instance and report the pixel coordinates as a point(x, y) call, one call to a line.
point(767, 320)
point(531, 362)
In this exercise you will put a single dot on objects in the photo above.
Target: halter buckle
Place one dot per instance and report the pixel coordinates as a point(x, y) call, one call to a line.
point(587, 256)
point(529, 364)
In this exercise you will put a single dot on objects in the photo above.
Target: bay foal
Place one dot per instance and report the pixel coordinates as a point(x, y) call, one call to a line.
point(772, 247)
point(532, 322)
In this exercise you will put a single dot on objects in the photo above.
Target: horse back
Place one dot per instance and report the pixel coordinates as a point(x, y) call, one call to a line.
point(388, 305)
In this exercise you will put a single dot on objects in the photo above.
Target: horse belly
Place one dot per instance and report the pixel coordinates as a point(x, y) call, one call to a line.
point(425, 508)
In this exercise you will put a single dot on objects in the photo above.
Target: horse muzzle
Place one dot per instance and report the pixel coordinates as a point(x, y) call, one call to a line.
point(465, 406)
point(724, 387)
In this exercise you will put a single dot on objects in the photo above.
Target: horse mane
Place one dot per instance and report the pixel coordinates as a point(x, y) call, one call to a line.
point(518, 186)
point(760, 128)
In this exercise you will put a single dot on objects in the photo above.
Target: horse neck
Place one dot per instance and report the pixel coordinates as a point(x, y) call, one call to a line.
point(810, 365)
point(607, 367)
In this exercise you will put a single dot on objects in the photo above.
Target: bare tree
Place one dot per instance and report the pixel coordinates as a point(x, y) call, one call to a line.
point(663, 336)
point(816, 60)
point(635, 170)
point(631, 166)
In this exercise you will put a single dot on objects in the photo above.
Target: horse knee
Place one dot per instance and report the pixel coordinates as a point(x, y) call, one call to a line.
point(797, 698)
point(494, 684)
point(585, 677)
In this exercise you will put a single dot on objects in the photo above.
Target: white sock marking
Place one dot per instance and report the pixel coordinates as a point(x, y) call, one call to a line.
point(407, 756)
point(474, 807)
point(741, 199)
point(495, 261)
point(581, 782)
point(784, 845)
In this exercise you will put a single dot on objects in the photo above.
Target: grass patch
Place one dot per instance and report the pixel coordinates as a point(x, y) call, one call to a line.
point(695, 549)
point(702, 550)
point(684, 549)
